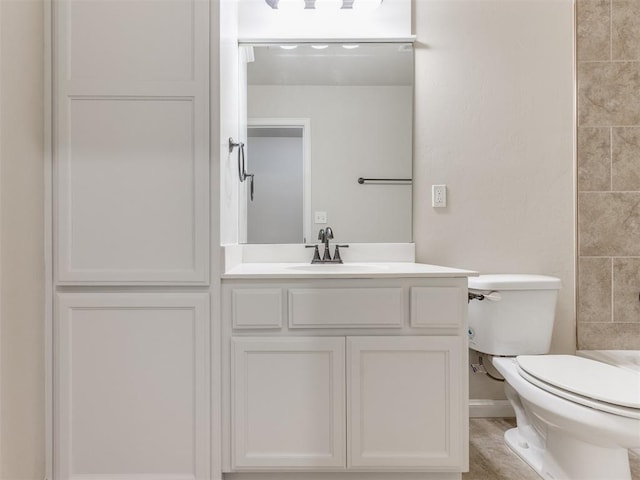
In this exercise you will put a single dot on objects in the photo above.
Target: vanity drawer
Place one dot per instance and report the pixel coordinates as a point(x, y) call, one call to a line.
point(346, 307)
point(256, 308)
point(438, 307)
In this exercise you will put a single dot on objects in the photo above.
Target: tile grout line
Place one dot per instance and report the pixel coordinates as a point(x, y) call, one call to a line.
point(611, 256)
point(611, 158)
point(629, 125)
point(610, 30)
point(593, 62)
point(612, 291)
point(609, 191)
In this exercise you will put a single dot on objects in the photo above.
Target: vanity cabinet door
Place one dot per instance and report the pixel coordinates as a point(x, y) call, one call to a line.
point(288, 403)
point(132, 386)
point(405, 405)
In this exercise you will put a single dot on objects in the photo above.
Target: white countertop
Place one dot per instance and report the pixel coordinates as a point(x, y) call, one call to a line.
point(345, 270)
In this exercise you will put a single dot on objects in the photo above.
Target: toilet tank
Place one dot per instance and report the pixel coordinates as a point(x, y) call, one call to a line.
point(519, 320)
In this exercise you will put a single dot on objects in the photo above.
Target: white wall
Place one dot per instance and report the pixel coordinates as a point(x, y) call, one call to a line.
point(341, 153)
point(494, 121)
point(229, 98)
point(21, 240)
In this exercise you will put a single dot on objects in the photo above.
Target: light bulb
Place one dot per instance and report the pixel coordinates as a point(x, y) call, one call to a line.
point(288, 47)
point(350, 46)
point(319, 47)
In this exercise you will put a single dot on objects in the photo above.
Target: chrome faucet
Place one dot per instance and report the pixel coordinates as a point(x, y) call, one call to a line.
point(324, 236)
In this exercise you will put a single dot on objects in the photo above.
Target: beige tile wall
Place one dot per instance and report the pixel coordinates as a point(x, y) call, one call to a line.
point(608, 53)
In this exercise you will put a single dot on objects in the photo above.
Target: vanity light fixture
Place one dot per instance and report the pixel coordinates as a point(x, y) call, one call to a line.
point(288, 47)
point(320, 47)
point(362, 5)
point(350, 46)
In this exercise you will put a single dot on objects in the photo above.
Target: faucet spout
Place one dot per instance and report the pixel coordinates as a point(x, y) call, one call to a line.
point(328, 235)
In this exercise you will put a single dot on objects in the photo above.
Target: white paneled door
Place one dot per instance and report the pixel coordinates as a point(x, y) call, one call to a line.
point(131, 141)
point(132, 384)
point(288, 403)
point(404, 400)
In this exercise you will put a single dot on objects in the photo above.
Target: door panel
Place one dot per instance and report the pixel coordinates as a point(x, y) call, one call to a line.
point(288, 403)
point(132, 390)
point(403, 398)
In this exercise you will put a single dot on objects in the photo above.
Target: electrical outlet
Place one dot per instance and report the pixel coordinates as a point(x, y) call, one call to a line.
point(320, 217)
point(438, 196)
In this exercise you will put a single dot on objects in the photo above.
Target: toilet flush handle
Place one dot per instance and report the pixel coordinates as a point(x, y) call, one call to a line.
point(493, 296)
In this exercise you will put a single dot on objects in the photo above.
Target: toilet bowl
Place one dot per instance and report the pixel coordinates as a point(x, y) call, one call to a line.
point(564, 435)
point(576, 417)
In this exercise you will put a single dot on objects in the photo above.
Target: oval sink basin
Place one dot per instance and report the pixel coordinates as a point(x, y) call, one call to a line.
point(347, 268)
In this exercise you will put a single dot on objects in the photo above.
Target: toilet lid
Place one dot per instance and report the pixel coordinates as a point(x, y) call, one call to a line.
point(596, 381)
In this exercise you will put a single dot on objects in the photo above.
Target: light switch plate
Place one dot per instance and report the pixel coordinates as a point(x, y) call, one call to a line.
point(320, 217)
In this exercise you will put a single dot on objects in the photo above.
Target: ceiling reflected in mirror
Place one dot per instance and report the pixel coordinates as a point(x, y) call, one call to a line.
point(324, 4)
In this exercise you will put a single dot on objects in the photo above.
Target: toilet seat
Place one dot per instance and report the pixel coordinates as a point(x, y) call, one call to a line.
point(600, 386)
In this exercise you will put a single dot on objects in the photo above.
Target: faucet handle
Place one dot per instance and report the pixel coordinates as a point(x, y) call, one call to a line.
point(336, 255)
point(316, 253)
point(327, 255)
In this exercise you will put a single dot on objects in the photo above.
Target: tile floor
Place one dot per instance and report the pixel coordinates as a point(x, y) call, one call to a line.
point(491, 459)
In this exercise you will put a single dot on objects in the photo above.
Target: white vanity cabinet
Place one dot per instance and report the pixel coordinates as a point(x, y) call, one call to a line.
point(345, 375)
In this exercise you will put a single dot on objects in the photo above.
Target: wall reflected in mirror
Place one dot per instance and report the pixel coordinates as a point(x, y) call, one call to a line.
point(320, 117)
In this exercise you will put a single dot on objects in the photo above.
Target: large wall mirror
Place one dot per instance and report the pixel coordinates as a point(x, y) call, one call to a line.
point(329, 142)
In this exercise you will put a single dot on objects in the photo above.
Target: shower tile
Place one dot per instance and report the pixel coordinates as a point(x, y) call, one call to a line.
point(593, 30)
point(608, 93)
point(626, 158)
point(594, 290)
point(594, 159)
point(625, 21)
point(609, 336)
point(626, 290)
point(609, 224)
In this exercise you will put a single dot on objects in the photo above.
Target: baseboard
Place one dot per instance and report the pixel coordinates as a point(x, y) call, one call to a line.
point(480, 408)
point(344, 476)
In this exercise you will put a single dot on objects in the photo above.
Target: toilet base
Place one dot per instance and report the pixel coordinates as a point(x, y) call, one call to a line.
point(571, 459)
point(529, 453)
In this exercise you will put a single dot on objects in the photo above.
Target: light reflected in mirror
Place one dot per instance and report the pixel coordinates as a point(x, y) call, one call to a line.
point(318, 120)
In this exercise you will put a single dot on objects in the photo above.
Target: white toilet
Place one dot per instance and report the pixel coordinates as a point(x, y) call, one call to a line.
point(576, 417)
